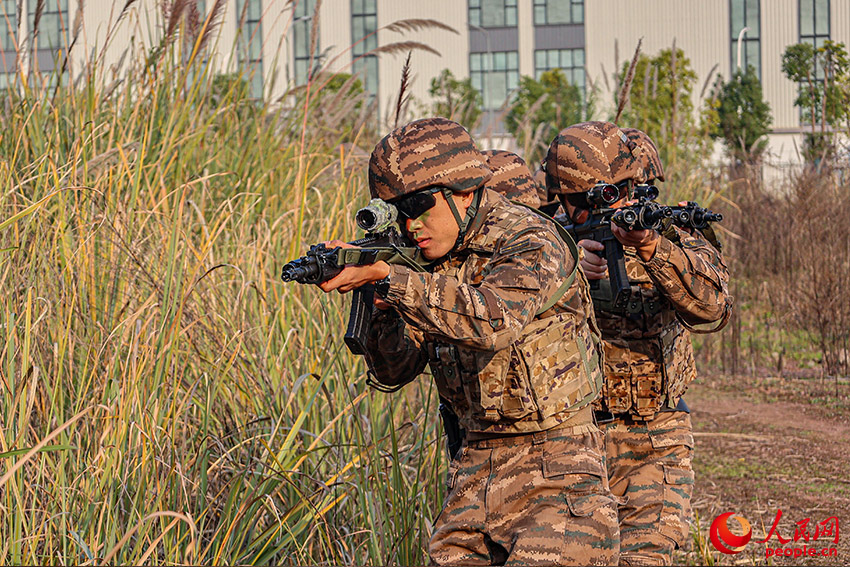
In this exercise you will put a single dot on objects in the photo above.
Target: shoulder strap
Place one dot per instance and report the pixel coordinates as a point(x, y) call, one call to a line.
point(571, 245)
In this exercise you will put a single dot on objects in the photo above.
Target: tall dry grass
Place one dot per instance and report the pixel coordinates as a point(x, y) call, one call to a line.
point(164, 398)
point(791, 259)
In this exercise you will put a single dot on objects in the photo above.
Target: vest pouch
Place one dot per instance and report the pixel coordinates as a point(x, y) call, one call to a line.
point(564, 372)
point(647, 369)
point(504, 389)
point(617, 389)
point(518, 399)
point(679, 365)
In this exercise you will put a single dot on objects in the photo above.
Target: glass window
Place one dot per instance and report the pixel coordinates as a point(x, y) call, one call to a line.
point(570, 61)
point(495, 75)
point(8, 24)
point(578, 12)
point(493, 13)
point(364, 24)
point(302, 27)
point(52, 25)
point(814, 24)
point(249, 13)
point(745, 14)
point(814, 21)
point(554, 12)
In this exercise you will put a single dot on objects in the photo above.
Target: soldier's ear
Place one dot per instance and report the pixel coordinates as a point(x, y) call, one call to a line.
point(466, 198)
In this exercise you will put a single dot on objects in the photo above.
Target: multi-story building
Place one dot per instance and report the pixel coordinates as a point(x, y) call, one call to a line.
point(495, 42)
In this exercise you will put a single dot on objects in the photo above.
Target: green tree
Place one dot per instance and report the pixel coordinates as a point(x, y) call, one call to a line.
point(456, 99)
point(743, 116)
point(660, 99)
point(540, 109)
point(823, 76)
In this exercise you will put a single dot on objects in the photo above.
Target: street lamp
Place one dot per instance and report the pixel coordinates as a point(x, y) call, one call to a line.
point(740, 39)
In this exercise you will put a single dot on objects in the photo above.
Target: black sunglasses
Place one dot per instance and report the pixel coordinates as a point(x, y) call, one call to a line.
point(414, 205)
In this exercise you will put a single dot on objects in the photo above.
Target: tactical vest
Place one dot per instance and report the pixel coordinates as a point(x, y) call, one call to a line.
point(649, 359)
point(541, 379)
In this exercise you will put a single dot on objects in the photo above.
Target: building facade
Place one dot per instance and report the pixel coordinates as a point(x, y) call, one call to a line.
point(494, 42)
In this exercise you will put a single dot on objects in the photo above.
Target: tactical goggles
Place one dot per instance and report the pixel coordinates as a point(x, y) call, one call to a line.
point(414, 205)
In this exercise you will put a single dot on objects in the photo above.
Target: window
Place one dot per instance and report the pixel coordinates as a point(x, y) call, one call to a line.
point(570, 61)
point(495, 75)
point(364, 24)
point(250, 34)
point(492, 13)
point(814, 25)
point(745, 14)
point(814, 21)
point(8, 30)
point(52, 24)
point(302, 26)
point(8, 24)
point(552, 12)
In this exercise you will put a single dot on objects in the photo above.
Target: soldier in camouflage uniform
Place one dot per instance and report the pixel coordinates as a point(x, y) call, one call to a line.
point(505, 322)
point(679, 283)
point(512, 178)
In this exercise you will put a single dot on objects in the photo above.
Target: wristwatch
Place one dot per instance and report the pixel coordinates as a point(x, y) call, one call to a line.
point(382, 287)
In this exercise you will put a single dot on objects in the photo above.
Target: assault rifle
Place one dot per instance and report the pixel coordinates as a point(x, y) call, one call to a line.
point(382, 242)
point(613, 294)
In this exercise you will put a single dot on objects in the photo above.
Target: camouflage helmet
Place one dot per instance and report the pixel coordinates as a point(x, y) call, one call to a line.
point(583, 154)
point(512, 178)
point(425, 153)
point(649, 158)
point(546, 198)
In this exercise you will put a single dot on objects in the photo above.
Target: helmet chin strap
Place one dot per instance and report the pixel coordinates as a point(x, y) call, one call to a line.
point(471, 211)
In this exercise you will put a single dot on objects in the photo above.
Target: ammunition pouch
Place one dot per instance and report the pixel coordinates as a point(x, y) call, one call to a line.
point(649, 375)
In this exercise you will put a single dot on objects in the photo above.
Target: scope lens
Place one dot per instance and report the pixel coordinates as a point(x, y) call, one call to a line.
point(366, 219)
point(648, 191)
point(610, 194)
point(605, 194)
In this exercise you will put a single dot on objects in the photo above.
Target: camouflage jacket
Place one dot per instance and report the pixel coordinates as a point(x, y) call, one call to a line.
point(503, 367)
point(649, 360)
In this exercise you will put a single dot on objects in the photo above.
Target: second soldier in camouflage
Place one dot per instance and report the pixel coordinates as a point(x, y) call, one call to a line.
point(678, 282)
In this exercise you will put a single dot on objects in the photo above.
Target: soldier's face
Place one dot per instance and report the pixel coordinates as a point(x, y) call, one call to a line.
point(435, 231)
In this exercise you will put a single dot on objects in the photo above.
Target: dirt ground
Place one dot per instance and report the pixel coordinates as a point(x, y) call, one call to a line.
point(764, 445)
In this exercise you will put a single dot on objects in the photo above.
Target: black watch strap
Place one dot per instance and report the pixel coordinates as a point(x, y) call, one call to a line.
point(382, 287)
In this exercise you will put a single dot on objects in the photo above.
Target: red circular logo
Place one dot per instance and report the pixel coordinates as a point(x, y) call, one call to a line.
point(723, 539)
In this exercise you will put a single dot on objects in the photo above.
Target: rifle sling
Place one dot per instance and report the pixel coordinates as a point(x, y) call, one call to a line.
point(571, 244)
point(390, 255)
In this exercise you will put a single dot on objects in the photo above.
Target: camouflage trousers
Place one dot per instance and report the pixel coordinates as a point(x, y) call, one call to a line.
point(649, 469)
point(538, 499)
